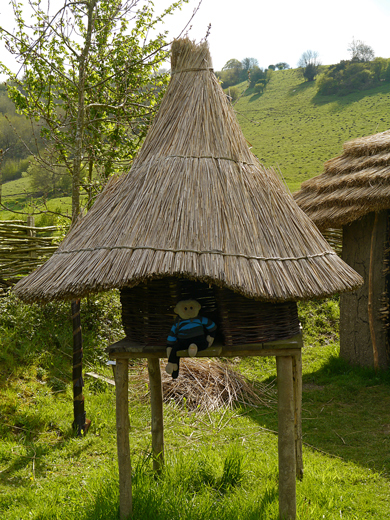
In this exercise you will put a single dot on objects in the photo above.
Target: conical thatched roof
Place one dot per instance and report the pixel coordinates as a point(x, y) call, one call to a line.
point(352, 184)
point(198, 204)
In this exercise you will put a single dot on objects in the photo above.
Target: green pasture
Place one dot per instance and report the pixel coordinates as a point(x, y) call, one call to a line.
point(17, 198)
point(220, 465)
point(293, 129)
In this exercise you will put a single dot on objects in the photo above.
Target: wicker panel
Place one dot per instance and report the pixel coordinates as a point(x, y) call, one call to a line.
point(243, 320)
point(147, 312)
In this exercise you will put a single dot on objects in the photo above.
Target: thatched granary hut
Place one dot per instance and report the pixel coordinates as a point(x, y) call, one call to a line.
point(198, 215)
point(353, 194)
point(196, 204)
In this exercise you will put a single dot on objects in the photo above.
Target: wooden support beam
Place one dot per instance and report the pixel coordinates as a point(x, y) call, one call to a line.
point(125, 348)
point(297, 375)
point(122, 438)
point(227, 352)
point(156, 404)
point(286, 438)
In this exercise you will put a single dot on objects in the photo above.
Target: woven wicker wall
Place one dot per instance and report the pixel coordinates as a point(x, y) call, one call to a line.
point(147, 312)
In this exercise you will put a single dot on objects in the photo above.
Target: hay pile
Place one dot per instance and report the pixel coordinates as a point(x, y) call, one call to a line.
point(207, 385)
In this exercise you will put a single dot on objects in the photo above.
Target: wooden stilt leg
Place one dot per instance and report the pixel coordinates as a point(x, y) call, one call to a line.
point(80, 421)
point(156, 404)
point(286, 438)
point(122, 436)
point(297, 373)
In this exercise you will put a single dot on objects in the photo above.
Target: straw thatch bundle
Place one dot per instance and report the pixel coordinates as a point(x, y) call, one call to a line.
point(206, 385)
point(198, 204)
point(352, 184)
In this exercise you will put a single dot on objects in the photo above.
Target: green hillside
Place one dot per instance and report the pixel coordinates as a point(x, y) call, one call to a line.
point(293, 128)
point(16, 195)
point(289, 127)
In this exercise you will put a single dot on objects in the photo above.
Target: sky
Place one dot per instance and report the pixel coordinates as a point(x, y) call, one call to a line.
point(271, 31)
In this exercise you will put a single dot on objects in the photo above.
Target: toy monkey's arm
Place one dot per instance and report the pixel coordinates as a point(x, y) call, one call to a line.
point(172, 338)
point(211, 330)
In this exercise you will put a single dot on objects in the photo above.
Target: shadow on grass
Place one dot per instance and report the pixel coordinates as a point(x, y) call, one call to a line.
point(354, 97)
point(345, 414)
point(255, 96)
point(299, 88)
point(33, 458)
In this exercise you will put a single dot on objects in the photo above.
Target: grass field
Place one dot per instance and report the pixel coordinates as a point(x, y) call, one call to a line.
point(220, 465)
point(16, 195)
point(293, 129)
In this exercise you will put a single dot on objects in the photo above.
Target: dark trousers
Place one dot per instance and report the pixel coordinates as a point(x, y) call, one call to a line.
point(183, 344)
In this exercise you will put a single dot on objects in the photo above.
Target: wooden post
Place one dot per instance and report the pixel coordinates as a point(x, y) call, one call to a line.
point(371, 295)
point(80, 422)
point(286, 438)
point(31, 233)
point(297, 375)
point(156, 404)
point(122, 438)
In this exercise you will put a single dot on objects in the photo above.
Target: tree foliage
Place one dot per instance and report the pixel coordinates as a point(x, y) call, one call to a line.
point(259, 77)
point(232, 64)
point(309, 65)
point(352, 76)
point(360, 51)
point(282, 65)
point(14, 130)
point(235, 71)
point(249, 63)
point(49, 181)
point(232, 73)
point(90, 79)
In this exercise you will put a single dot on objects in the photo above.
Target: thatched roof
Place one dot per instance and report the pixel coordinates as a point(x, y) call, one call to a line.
point(352, 184)
point(196, 203)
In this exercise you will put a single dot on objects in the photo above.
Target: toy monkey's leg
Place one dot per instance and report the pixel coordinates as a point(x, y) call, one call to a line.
point(172, 367)
point(202, 344)
point(198, 344)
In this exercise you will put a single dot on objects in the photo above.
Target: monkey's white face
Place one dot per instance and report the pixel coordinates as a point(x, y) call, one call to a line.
point(187, 309)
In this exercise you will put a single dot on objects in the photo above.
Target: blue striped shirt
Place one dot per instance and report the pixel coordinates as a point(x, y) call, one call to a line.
point(190, 328)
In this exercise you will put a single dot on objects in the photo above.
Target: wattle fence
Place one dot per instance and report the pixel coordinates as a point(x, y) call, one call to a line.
point(23, 248)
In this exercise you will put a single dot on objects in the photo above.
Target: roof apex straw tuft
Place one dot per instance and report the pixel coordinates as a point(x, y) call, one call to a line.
point(197, 204)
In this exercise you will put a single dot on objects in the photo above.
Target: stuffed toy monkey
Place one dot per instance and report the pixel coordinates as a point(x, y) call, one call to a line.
point(190, 332)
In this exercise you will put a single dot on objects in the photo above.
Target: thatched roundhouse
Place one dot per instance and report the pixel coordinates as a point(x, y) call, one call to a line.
point(196, 205)
point(353, 194)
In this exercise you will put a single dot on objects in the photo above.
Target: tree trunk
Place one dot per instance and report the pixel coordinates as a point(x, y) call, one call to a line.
point(80, 422)
point(78, 154)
